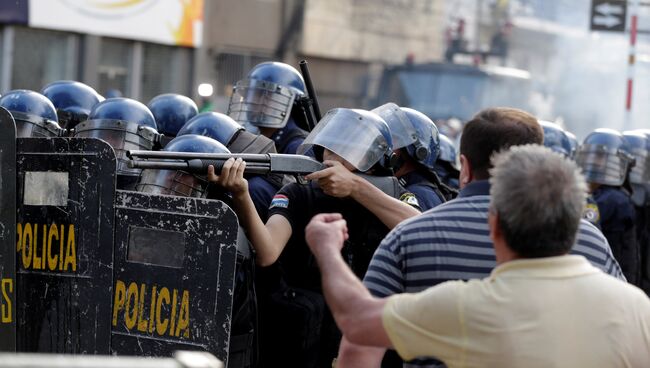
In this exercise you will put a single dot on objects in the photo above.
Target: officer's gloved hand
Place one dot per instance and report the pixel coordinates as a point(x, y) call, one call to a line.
point(337, 180)
point(231, 177)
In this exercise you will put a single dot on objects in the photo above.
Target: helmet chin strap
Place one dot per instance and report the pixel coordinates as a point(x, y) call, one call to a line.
point(396, 162)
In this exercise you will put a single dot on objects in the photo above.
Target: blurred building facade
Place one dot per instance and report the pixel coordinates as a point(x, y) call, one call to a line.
point(346, 42)
point(105, 47)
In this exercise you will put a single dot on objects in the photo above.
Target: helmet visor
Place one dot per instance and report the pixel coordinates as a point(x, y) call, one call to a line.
point(602, 165)
point(171, 182)
point(640, 173)
point(401, 129)
point(342, 132)
point(261, 103)
point(121, 136)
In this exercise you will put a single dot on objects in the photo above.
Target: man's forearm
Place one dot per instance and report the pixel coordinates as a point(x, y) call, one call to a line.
point(358, 356)
point(390, 211)
point(255, 230)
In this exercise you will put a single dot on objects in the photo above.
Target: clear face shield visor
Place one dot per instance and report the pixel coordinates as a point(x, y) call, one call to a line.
point(261, 103)
point(602, 165)
point(172, 182)
point(343, 132)
point(401, 129)
point(120, 135)
point(640, 173)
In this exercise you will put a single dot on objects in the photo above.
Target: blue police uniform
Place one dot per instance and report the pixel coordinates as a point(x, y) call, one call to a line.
point(617, 219)
point(423, 189)
point(260, 188)
point(446, 177)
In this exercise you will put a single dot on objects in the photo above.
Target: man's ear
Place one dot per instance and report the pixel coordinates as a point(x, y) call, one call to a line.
point(466, 176)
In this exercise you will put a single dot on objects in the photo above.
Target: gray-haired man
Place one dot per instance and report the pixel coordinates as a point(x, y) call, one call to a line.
point(540, 307)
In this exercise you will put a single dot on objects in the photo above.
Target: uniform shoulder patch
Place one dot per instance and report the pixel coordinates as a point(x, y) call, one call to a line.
point(279, 200)
point(591, 213)
point(410, 199)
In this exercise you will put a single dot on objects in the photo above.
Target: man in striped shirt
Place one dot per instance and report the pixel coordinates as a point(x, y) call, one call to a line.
point(452, 241)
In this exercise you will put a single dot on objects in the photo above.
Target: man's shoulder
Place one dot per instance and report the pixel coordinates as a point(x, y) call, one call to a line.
point(589, 238)
point(461, 207)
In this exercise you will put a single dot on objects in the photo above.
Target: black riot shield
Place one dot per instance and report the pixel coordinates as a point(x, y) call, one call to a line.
point(64, 244)
point(174, 274)
point(7, 235)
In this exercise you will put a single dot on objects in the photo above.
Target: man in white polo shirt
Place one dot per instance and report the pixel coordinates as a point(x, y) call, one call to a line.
point(539, 307)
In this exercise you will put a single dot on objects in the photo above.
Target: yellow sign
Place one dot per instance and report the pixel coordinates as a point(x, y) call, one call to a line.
point(152, 309)
point(170, 22)
point(7, 286)
point(47, 247)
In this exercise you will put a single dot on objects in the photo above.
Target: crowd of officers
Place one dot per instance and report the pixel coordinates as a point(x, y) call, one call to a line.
point(383, 166)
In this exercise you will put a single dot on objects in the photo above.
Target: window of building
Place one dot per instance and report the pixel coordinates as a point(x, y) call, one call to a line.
point(232, 67)
point(166, 69)
point(114, 67)
point(40, 57)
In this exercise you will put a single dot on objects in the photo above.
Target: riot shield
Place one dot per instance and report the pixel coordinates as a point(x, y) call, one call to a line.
point(64, 244)
point(7, 235)
point(174, 274)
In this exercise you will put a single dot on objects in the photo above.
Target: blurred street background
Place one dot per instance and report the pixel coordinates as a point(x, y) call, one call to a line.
point(447, 58)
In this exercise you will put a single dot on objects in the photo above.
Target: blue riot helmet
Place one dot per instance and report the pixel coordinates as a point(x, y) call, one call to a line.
point(226, 131)
point(413, 131)
point(555, 138)
point(574, 143)
point(360, 137)
point(640, 173)
point(171, 112)
point(114, 93)
point(266, 96)
point(214, 125)
point(447, 164)
point(72, 100)
point(448, 151)
point(605, 157)
point(179, 182)
point(34, 114)
point(125, 124)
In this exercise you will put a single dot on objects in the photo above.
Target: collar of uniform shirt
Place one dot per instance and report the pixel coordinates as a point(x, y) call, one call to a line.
point(475, 188)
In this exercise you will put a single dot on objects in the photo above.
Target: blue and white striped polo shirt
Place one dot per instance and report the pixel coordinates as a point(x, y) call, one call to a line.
point(452, 242)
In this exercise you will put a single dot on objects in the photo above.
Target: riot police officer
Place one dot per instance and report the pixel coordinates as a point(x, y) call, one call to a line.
point(605, 159)
point(72, 100)
point(34, 114)
point(178, 182)
point(639, 178)
point(125, 124)
point(574, 143)
point(416, 143)
point(227, 131)
point(171, 112)
point(559, 141)
point(267, 102)
point(222, 128)
point(446, 165)
point(556, 138)
point(243, 344)
point(296, 330)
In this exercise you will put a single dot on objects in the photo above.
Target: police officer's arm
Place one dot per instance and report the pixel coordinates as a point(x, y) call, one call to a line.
point(268, 239)
point(337, 181)
point(357, 313)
